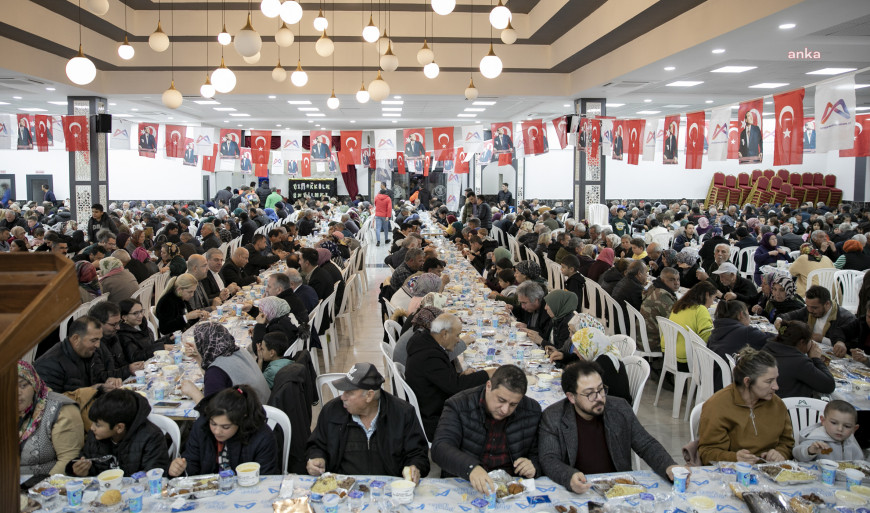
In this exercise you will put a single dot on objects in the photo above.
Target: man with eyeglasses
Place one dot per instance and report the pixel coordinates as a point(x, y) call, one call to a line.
point(109, 314)
point(591, 433)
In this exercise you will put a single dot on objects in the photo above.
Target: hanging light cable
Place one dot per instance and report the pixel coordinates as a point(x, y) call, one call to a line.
point(125, 50)
point(389, 61)
point(224, 37)
point(362, 96)
point(425, 55)
point(80, 69)
point(206, 90)
point(299, 77)
point(471, 92)
point(158, 40)
point(172, 97)
point(491, 65)
point(432, 70)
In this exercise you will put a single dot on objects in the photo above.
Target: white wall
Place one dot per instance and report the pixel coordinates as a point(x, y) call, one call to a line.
point(23, 163)
point(550, 175)
point(132, 177)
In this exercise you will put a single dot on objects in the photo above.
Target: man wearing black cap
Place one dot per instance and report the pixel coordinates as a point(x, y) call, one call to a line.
point(367, 431)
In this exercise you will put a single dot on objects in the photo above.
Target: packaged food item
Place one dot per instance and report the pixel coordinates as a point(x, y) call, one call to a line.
point(110, 497)
point(787, 473)
point(195, 487)
point(331, 483)
point(617, 486)
point(507, 486)
point(300, 505)
point(766, 502)
point(801, 505)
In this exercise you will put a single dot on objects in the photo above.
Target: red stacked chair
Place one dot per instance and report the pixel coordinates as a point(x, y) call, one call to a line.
point(824, 192)
point(745, 186)
point(756, 174)
point(811, 194)
point(734, 192)
point(717, 192)
point(789, 200)
point(776, 189)
point(835, 196)
point(769, 173)
point(783, 173)
point(760, 193)
point(795, 181)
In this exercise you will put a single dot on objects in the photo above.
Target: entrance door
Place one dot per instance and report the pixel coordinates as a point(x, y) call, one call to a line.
point(206, 195)
point(7, 184)
point(34, 186)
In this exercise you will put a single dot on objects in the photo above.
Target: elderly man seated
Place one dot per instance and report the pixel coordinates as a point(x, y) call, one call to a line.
point(532, 314)
point(733, 286)
point(234, 270)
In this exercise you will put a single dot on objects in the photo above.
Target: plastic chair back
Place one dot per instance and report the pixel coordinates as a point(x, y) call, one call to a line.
point(276, 417)
point(804, 411)
point(169, 427)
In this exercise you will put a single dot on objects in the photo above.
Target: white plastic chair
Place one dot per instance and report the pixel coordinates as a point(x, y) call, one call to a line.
point(804, 411)
point(598, 214)
point(794, 254)
point(625, 344)
point(847, 285)
point(327, 379)
point(637, 331)
point(746, 262)
point(274, 417)
point(391, 308)
point(345, 311)
point(706, 360)
point(387, 351)
point(669, 332)
point(695, 420)
point(663, 240)
point(823, 277)
point(638, 373)
point(595, 302)
point(394, 330)
point(614, 315)
point(407, 392)
point(169, 427)
point(78, 312)
point(314, 319)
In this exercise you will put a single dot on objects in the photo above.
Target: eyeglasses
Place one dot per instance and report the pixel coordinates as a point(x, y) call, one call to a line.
point(601, 392)
point(137, 312)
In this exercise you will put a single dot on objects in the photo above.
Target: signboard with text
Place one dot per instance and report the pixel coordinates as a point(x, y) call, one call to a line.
point(314, 187)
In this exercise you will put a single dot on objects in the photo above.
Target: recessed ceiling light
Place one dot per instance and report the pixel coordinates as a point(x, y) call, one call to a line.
point(112, 104)
point(239, 125)
point(58, 103)
point(135, 110)
point(481, 102)
point(709, 101)
point(831, 71)
point(16, 97)
point(239, 115)
point(391, 109)
point(614, 105)
point(121, 116)
point(395, 121)
point(474, 109)
point(648, 111)
point(768, 103)
point(674, 106)
point(207, 102)
point(466, 115)
point(353, 121)
point(4, 103)
point(685, 83)
point(862, 108)
point(32, 109)
point(397, 97)
point(50, 89)
point(647, 100)
point(170, 118)
point(861, 86)
point(393, 102)
point(733, 69)
point(735, 106)
point(315, 114)
point(566, 105)
point(769, 114)
point(272, 96)
point(311, 121)
point(768, 85)
point(224, 109)
point(308, 109)
point(316, 126)
point(226, 121)
point(670, 68)
point(278, 126)
point(391, 115)
point(299, 102)
point(718, 50)
point(786, 26)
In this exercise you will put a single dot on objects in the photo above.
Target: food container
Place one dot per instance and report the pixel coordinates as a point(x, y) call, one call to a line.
point(403, 491)
point(111, 479)
point(743, 473)
point(329, 483)
point(620, 486)
point(194, 487)
point(248, 474)
point(787, 473)
point(853, 477)
point(140, 377)
point(702, 504)
point(170, 372)
point(829, 471)
point(134, 499)
point(330, 503)
point(858, 465)
point(507, 486)
point(74, 490)
point(766, 502)
point(681, 479)
point(850, 498)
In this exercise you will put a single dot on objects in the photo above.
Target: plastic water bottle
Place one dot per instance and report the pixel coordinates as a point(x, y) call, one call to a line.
point(177, 338)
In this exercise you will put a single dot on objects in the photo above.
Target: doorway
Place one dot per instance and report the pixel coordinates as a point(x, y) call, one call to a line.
point(206, 195)
point(34, 186)
point(7, 184)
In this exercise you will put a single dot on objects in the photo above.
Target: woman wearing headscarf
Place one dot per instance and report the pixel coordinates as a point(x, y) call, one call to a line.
point(586, 258)
point(89, 284)
point(809, 260)
point(782, 297)
point(409, 297)
point(688, 263)
point(116, 281)
point(592, 345)
point(528, 270)
point(50, 429)
point(768, 253)
point(215, 350)
point(502, 255)
point(703, 226)
point(171, 260)
point(171, 310)
point(560, 306)
point(853, 257)
point(275, 316)
point(140, 264)
point(602, 263)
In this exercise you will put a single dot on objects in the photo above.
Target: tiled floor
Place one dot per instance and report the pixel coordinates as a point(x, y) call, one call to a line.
point(368, 332)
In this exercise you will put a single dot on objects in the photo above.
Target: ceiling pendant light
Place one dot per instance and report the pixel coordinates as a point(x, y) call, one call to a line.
point(80, 69)
point(362, 95)
point(284, 37)
point(333, 102)
point(223, 78)
point(172, 97)
point(248, 41)
point(98, 7)
point(299, 77)
point(291, 12)
point(443, 7)
point(371, 33)
point(254, 59)
point(431, 70)
point(500, 16)
point(279, 74)
point(270, 8)
point(324, 46)
point(126, 50)
point(490, 65)
point(471, 92)
point(389, 61)
point(425, 55)
point(320, 22)
point(509, 35)
point(383, 43)
point(158, 40)
point(379, 89)
point(224, 37)
point(207, 90)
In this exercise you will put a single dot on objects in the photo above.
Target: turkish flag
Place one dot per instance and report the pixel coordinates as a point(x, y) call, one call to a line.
point(76, 133)
point(788, 148)
point(306, 164)
point(505, 159)
point(208, 160)
point(42, 125)
point(533, 135)
point(372, 162)
point(861, 147)
point(460, 166)
point(426, 162)
point(261, 170)
point(261, 146)
point(443, 139)
point(594, 141)
point(635, 139)
point(400, 162)
point(694, 139)
point(175, 135)
point(733, 139)
point(561, 126)
point(351, 151)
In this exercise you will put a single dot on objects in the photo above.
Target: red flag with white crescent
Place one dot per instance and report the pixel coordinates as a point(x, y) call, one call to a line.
point(861, 146)
point(372, 162)
point(460, 166)
point(175, 136)
point(76, 133)
point(561, 126)
point(593, 144)
point(306, 164)
point(694, 139)
point(443, 139)
point(400, 162)
point(733, 139)
point(635, 131)
point(351, 148)
point(261, 170)
point(42, 126)
point(261, 146)
point(426, 162)
point(788, 147)
point(208, 160)
point(533, 137)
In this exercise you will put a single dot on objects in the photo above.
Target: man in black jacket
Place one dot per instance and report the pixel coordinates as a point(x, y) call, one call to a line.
point(213, 283)
point(505, 198)
point(367, 431)
point(489, 427)
point(306, 224)
point(257, 261)
point(629, 290)
point(734, 286)
point(78, 361)
point(248, 228)
point(11, 220)
point(209, 237)
point(574, 281)
point(99, 220)
point(278, 285)
point(233, 270)
point(110, 316)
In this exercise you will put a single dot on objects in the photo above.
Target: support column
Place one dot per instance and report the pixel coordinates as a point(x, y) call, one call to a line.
point(589, 170)
point(88, 171)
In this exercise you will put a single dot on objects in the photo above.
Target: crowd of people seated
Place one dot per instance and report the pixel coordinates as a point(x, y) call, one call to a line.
point(662, 260)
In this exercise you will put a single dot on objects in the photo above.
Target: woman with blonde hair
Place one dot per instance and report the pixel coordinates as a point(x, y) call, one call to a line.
point(171, 309)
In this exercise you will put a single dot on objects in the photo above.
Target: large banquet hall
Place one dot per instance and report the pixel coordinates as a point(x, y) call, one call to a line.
point(563, 255)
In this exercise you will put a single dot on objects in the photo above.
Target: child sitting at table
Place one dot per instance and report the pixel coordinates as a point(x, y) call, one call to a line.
point(121, 436)
point(271, 351)
point(833, 437)
point(507, 282)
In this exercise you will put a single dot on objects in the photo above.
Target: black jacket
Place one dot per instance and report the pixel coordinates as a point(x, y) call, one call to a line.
point(791, 241)
point(94, 226)
point(258, 261)
point(398, 435)
point(200, 451)
point(248, 229)
point(64, 371)
point(211, 241)
point(729, 336)
point(799, 375)
point(139, 270)
point(461, 435)
point(434, 379)
point(542, 323)
point(293, 392)
point(628, 291)
point(169, 311)
point(142, 448)
point(231, 273)
point(576, 283)
point(122, 364)
point(138, 345)
point(609, 279)
point(280, 324)
point(708, 248)
point(842, 324)
point(744, 289)
point(305, 227)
